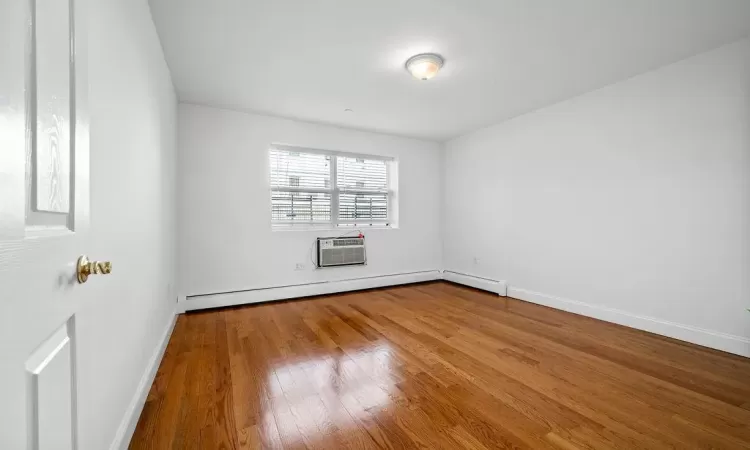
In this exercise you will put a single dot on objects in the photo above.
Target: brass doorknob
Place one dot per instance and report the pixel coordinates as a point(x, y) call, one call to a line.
point(86, 268)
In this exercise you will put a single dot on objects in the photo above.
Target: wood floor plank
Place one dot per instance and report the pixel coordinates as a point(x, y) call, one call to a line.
point(436, 365)
point(223, 403)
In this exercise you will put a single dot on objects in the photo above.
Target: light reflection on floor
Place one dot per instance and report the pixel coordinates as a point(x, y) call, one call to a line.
point(311, 396)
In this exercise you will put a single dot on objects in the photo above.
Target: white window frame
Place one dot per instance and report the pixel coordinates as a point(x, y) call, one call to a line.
point(335, 192)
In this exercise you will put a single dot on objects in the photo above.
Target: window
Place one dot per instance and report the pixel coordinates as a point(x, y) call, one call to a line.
point(328, 188)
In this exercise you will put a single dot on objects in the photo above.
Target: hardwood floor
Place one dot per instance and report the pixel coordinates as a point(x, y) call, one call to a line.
point(436, 366)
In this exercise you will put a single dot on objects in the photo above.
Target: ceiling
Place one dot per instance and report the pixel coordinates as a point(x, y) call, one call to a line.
point(312, 59)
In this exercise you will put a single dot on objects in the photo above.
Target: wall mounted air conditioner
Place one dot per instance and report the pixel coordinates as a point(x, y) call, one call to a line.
point(342, 251)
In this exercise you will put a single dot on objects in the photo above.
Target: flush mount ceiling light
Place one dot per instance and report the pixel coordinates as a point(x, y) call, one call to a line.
point(424, 66)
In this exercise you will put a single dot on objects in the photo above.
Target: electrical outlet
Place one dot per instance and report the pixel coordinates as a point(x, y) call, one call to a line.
point(299, 266)
point(476, 261)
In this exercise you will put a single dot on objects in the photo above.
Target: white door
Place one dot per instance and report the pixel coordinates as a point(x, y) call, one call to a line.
point(44, 202)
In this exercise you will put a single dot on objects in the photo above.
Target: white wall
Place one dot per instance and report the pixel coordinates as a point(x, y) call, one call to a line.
point(224, 226)
point(133, 119)
point(633, 200)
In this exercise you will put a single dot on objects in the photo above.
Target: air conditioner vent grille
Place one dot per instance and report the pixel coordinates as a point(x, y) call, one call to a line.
point(343, 256)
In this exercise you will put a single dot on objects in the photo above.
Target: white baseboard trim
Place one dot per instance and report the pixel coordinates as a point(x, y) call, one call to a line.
point(498, 287)
point(302, 290)
point(133, 413)
point(707, 338)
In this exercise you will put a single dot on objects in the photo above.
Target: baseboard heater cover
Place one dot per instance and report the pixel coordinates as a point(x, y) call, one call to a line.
point(485, 284)
point(271, 293)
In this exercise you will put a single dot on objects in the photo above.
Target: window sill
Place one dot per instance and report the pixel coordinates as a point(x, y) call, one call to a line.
point(330, 228)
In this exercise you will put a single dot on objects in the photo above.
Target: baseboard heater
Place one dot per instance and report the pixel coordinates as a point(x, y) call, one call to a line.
point(271, 293)
point(485, 284)
point(341, 251)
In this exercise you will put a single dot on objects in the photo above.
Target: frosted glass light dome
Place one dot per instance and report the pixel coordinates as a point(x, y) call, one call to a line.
point(424, 66)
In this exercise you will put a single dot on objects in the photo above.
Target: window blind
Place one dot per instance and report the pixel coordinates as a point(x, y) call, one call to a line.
point(299, 170)
point(300, 207)
point(370, 207)
point(359, 174)
point(363, 185)
point(309, 187)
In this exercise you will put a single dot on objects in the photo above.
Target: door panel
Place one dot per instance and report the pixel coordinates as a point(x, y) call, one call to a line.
point(51, 392)
point(50, 161)
point(44, 217)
